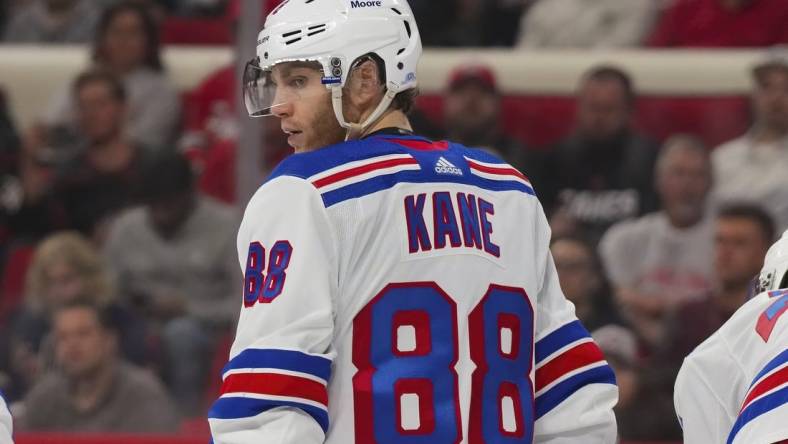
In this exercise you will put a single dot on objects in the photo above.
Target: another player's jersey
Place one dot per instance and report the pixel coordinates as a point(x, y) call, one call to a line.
point(6, 424)
point(733, 388)
point(402, 291)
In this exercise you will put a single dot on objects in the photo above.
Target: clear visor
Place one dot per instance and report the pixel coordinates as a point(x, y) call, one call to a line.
point(265, 89)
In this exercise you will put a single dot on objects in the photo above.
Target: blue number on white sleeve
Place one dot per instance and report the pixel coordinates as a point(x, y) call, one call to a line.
point(265, 287)
point(405, 348)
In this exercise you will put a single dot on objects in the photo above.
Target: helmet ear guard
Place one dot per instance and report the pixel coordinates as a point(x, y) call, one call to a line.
point(774, 274)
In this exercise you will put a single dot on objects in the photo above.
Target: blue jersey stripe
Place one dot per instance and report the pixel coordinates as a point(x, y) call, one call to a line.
point(379, 183)
point(758, 408)
point(552, 398)
point(281, 359)
point(778, 360)
point(565, 335)
point(240, 407)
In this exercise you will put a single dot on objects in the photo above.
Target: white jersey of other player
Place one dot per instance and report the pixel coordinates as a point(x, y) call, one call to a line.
point(733, 388)
point(401, 291)
point(6, 423)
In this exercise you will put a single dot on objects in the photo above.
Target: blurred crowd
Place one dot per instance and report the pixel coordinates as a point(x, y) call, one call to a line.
point(119, 285)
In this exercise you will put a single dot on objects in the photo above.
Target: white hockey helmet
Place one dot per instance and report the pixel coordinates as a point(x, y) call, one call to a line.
point(335, 34)
point(774, 274)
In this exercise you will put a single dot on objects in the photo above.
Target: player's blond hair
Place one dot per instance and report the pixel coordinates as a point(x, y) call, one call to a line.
point(75, 251)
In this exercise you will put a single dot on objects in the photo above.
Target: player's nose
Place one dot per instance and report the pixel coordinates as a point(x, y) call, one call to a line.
point(282, 109)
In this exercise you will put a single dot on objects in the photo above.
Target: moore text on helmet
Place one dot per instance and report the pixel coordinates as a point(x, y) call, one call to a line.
point(365, 4)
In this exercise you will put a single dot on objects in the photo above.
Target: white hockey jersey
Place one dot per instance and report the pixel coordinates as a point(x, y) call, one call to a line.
point(399, 291)
point(6, 423)
point(733, 388)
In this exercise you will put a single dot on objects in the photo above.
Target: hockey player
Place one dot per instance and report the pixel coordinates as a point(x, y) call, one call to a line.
point(6, 424)
point(397, 290)
point(733, 388)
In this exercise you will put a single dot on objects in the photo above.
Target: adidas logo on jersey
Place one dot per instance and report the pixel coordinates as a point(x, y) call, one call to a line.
point(443, 166)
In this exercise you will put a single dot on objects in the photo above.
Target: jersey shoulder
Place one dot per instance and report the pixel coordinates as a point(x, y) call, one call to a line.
point(358, 168)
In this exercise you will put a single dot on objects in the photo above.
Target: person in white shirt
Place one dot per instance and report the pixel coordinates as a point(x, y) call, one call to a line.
point(661, 260)
point(733, 388)
point(753, 166)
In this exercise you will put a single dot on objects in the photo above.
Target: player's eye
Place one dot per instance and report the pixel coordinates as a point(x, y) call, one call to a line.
point(297, 82)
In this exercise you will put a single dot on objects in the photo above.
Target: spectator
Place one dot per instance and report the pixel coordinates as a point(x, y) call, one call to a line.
point(643, 412)
point(603, 170)
point(754, 164)
point(65, 267)
point(94, 389)
point(583, 281)
point(661, 260)
point(211, 127)
point(102, 177)
point(53, 21)
point(584, 24)
point(127, 45)
point(722, 23)
point(175, 259)
point(472, 113)
point(743, 234)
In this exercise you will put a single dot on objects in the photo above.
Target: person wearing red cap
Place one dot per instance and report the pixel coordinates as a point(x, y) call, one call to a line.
point(472, 113)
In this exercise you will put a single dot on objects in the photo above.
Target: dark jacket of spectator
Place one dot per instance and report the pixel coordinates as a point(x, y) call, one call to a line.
point(599, 184)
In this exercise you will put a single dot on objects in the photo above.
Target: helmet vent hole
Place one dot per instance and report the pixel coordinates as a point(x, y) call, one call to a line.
point(323, 25)
point(316, 32)
point(400, 65)
point(407, 28)
point(396, 10)
point(291, 33)
point(308, 2)
point(400, 51)
point(290, 42)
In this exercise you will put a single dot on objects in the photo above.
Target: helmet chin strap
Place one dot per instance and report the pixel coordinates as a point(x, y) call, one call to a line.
point(355, 130)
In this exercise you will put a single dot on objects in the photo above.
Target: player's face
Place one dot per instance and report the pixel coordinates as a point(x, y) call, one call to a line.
point(304, 108)
point(603, 110)
point(739, 248)
point(771, 100)
point(81, 343)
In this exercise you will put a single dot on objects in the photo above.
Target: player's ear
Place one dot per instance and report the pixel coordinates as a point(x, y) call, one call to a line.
point(363, 85)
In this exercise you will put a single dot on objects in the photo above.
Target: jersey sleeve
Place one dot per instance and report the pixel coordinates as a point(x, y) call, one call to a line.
point(6, 423)
point(275, 385)
point(762, 415)
point(702, 414)
point(575, 388)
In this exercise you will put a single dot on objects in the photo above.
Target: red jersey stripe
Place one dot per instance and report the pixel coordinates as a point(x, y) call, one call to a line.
point(504, 170)
point(572, 359)
point(362, 169)
point(772, 381)
point(277, 385)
